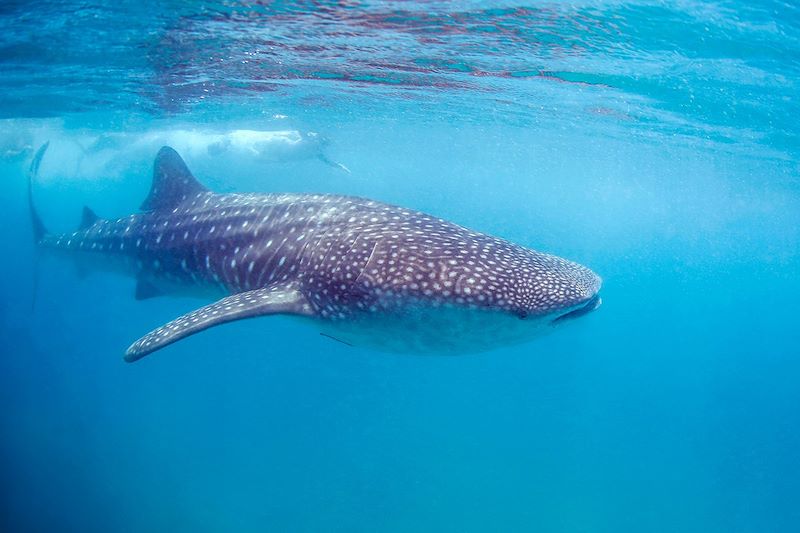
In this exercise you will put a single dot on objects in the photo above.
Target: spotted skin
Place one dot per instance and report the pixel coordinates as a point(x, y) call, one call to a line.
point(355, 266)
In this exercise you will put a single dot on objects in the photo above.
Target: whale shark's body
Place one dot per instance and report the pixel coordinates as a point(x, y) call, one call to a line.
point(365, 272)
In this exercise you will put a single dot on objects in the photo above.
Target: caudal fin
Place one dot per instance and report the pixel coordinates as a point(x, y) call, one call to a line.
point(39, 230)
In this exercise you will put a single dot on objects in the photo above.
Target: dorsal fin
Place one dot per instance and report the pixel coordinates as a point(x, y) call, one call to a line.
point(88, 217)
point(172, 182)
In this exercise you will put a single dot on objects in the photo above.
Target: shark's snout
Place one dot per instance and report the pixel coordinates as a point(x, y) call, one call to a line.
point(581, 310)
point(555, 289)
point(588, 284)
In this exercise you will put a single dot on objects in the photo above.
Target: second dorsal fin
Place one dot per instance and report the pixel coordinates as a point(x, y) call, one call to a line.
point(172, 182)
point(87, 218)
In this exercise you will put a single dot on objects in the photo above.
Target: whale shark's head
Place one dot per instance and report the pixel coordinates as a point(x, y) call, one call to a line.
point(483, 294)
point(544, 287)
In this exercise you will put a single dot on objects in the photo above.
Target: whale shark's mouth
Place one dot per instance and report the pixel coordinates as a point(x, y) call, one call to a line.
point(585, 309)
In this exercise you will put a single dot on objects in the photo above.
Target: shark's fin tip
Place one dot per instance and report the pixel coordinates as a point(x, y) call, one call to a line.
point(146, 290)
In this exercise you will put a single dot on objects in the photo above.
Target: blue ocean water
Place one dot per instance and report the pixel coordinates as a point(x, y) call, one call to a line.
point(656, 142)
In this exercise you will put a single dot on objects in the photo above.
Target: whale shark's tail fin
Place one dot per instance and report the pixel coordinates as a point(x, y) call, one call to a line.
point(39, 230)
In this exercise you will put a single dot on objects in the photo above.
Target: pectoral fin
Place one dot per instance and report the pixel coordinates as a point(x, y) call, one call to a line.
point(333, 163)
point(267, 301)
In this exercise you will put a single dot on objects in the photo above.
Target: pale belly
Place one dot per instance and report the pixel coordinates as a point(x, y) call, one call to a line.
point(436, 330)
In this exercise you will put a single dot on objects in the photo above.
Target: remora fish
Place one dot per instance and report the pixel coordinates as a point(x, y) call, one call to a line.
point(365, 272)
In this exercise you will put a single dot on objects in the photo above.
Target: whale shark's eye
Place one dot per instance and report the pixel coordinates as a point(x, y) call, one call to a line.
point(521, 314)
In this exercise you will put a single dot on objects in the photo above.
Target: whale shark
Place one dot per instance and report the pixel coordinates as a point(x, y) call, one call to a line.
point(260, 146)
point(363, 272)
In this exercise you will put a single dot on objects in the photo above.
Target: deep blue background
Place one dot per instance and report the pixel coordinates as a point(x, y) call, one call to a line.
point(674, 407)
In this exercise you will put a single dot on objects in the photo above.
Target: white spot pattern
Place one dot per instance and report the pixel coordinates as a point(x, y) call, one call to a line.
point(347, 256)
